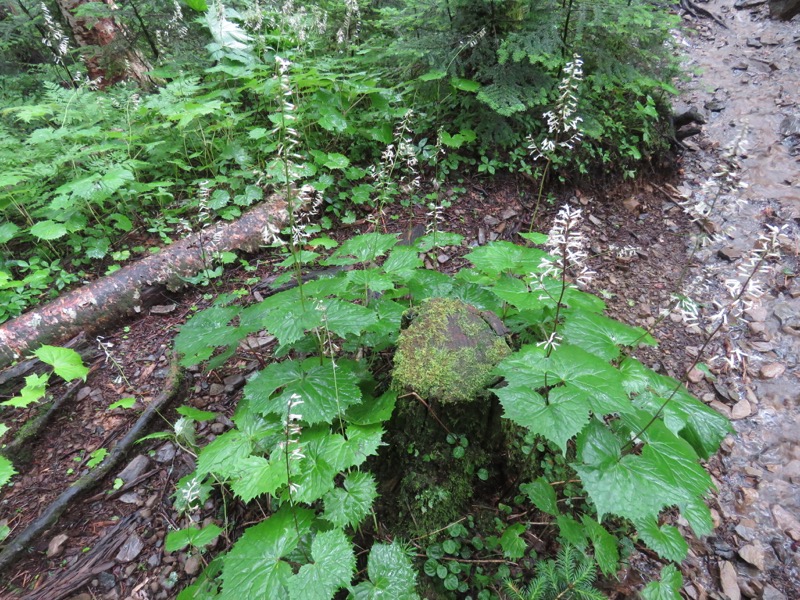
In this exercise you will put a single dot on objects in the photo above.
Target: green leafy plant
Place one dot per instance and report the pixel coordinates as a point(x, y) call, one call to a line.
point(66, 363)
point(631, 438)
point(569, 577)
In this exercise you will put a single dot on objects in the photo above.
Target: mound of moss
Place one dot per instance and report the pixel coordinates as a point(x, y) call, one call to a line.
point(448, 351)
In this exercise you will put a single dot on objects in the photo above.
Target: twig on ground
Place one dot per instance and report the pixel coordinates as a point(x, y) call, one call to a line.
point(51, 514)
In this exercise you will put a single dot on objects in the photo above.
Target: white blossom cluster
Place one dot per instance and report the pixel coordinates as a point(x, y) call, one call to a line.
point(292, 429)
point(435, 212)
point(299, 21)
point(473, 40)
point(401, 152)
point(563, 131)
point(351, 27)
point(567, 242)
point(54, 37)
point(747, 287)
point(174, 29)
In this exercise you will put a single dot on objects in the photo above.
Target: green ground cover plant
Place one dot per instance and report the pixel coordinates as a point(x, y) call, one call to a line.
point(309, 429)
point(348, 119)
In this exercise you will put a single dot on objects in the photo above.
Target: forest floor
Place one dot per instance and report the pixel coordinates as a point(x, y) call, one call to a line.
point(645, 247)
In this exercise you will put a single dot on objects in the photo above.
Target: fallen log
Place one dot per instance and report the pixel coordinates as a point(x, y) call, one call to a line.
point(50, 515)
point(129, 290)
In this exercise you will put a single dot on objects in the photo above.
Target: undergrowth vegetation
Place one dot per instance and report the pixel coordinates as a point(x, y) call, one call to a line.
point(93, 178)
point(364, 482)
point(310, 436)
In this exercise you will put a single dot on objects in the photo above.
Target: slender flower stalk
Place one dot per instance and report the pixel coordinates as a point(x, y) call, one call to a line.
point(566, 243)
point(745, 293)
point(563, 126)
point(401, 152)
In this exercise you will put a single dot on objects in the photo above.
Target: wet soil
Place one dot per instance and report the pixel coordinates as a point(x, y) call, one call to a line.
point(645, 247)
point(745, 168)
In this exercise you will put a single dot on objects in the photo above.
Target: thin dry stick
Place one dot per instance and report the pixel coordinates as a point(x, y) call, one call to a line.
point(51, 514)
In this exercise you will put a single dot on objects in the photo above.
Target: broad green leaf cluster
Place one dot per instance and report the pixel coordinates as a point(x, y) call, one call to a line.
point(311, 418)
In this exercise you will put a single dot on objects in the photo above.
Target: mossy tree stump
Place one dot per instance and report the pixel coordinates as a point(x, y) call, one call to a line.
point(448, 351)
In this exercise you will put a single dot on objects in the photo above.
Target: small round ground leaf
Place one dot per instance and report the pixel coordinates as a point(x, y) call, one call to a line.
point(449, 350)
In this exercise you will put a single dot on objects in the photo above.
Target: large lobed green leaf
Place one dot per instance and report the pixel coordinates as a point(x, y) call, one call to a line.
point(325, 390)
point(600, 335)
point(391, 575)
point(350, 504)
point(559, 418)
point(256, 567)
point(332, 568)
point(701, 426)
point(66, 363)
point(362, 249)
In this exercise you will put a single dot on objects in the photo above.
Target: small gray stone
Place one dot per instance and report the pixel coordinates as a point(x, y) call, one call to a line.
point(784, 519)
point(730, 253)
point(715, 105)
point(106, 581)
point(56, 545)
point(772, 370)
point(83, 393)
point(154, 560)
point(508, 213)
point(728, 582)
point(745, 533)
point(134, 469)
point(740, 66)
point(162, 309)
point(787, 313)
point(130, 549)
point(770, 593)
point(216, 389)
point(165, 453)
point(753, 554)
point(741, 410)
point(443, 258)
point(234, 381)
point(740, 4)
point(791, 471)
point(753, 43)
point(130, 498)
point(790, 126)
point(696, 375)
point(192, 565)
point(757, 314)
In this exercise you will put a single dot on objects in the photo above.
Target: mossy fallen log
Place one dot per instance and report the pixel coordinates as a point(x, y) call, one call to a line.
point(107, 300)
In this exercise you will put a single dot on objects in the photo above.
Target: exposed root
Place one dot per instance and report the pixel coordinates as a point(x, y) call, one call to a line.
point(13, 549)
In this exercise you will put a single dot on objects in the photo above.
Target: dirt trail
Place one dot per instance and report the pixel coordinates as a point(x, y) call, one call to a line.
point(745, 167)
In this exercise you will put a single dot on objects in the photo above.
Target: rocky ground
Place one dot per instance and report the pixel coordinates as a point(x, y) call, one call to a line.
point(650, 240)
point(745, 168)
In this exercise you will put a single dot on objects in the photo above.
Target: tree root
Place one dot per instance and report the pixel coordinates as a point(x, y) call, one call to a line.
point(32, 428)
point(97, 560)
point(698, 11)
point(51, 514)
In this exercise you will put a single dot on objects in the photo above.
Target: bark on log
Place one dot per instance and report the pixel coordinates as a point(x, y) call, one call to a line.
point(109, 299)
point(125, 62)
